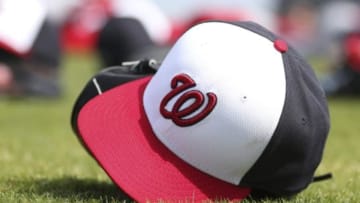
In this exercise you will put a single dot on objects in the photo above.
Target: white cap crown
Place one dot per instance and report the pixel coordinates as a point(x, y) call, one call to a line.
point(217, 98)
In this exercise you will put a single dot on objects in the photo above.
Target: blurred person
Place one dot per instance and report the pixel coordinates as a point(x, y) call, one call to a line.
point(329, 32)
point(344, 76)
point(29, 50)
point(340, 42)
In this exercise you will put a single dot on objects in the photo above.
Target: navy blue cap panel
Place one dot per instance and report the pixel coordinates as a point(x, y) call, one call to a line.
point(288, 163)
point(254, 27)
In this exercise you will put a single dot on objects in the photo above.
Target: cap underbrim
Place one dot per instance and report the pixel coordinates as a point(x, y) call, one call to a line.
point(115, 129)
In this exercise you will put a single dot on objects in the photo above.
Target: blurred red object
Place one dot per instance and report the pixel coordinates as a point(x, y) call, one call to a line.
point(6, 78)
point(352, 51)
point(80, 30)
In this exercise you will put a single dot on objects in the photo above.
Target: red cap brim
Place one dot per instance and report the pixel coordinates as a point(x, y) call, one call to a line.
point(115, 129)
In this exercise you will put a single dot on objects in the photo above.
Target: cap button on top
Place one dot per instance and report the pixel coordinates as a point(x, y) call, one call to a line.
point(280, 45)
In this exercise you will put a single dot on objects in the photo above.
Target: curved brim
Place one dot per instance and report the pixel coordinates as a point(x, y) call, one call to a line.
point(115, 129)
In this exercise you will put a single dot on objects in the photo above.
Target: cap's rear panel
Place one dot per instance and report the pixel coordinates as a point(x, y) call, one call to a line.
point(288, 163)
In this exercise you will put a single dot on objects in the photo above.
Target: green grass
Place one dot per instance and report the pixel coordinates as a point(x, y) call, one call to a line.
point(42, 161)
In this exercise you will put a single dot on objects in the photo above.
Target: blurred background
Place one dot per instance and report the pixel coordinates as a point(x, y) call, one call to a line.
point(49, 49)
point(32, 44)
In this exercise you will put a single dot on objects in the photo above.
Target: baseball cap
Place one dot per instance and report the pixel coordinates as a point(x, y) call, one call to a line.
point(232, 112)
point(123, 39)
point(35, 73)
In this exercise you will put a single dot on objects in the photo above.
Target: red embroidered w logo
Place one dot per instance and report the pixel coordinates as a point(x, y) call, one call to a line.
point(178, 115)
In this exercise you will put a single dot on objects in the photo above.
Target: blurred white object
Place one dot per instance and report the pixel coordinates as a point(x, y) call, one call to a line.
point(340, 17)
point(148, 13)
point(59, 10)
point(20, 22)
point(336, 19)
